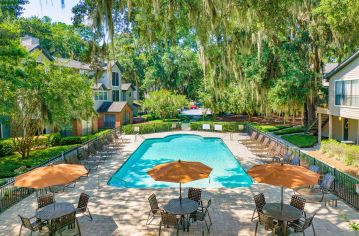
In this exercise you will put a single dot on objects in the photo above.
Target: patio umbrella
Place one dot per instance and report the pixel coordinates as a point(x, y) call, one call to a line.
point(282, 175)
point(180, 172)
point(52, 175)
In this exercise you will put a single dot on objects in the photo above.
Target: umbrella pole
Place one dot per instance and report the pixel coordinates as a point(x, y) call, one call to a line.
point(180, 193)
point(281, 201)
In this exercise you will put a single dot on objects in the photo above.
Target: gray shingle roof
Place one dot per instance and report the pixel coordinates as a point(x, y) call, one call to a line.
point(342, 65)
point(111, 107)
point(72, 63)
point(126, 86)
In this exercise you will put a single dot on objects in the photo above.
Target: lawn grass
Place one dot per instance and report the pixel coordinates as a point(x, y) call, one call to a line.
point(10, 163)
point(301, 140)
point(290, 130)
point(270, 128)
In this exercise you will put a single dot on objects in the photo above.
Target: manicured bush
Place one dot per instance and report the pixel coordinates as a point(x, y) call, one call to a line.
point(42, 141)
point(6, 147)
point(291, 130)
point(71, 140)
point(349, 154)
point(269, 128)
point(148, 117)
point(55, 139)
point(226, 126)
point(301, 140)
point(149, 127)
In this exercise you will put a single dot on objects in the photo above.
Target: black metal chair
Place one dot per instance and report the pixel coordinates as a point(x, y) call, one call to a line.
point(201, 216)
point(67, 221)
point(169, 220)
point(31, 224)
point(299, 226)
point(314, 168)
point(82, 206)
point(295, 161)
point(259, 201)
point(155, 210)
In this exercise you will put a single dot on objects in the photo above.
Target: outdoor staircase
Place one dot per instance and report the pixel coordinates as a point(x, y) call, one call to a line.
point(313, 128)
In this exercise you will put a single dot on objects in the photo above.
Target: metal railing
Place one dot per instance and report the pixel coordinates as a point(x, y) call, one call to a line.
point(10, 195)
point(344, 185)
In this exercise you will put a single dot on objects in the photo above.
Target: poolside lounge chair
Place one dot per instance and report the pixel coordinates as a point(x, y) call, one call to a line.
point(82, 206)
point(261, 146)
point(250, 139)
point(299, 226)
point(31, 223)
point(295, 161)
point(155, 209)
point(201, 216)
point(276, 154)
point(259, 201)
point(268, 222)
point(45, 200)
point(318, 192)
point(169, 220)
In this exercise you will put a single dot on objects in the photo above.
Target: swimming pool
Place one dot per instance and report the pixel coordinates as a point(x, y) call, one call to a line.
point(227, 171)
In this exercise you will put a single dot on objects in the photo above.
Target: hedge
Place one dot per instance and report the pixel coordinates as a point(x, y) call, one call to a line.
point(291, 130)
point(269, 128)
point(6, 147)
point(151, 127)
point(301, 140)
point(71, 140)
point(226, 126)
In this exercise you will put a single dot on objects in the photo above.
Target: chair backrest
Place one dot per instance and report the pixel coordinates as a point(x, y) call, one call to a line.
point(266, 141)
point(260, 201)
point(298, 202)
point(287, 157)
point(168, 219)
point(26, 222)
point(195, 194)
point(272, 145)
point(327, 181)
point(45, 200)
point(63, 221)
point(83, 202)
point(266, 221)
point(218, 127)
point(278, 150)
point(206, 126)
point(314, 168)
point(295, 161)
point(260, 137)
point(253, 135)
point(153, 203)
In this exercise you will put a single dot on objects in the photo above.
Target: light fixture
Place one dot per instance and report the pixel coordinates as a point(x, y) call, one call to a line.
point(340, 118)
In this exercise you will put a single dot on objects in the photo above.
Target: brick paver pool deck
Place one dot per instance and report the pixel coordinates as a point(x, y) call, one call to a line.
point(121, 211)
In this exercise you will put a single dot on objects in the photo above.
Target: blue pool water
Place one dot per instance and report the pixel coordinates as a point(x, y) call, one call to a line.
point(227, 171)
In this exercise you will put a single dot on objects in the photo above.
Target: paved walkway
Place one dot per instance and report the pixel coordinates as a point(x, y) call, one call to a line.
point(118, 211)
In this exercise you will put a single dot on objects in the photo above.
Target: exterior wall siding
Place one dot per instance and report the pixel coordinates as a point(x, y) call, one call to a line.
point(353, 130)
point(350, 72)
point(337, 128)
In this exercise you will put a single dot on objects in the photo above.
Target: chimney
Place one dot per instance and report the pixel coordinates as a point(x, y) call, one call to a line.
point(29, 41)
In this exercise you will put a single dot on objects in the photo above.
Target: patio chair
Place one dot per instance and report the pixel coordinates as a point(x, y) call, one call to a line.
point(31, 223)
point(322, 189)
point(169, 220)
point(65, 222)
point(277, 153)
point(314, 168)
point(262, 145)
point(298, 202)
point(295, 161)
point(259, 201)
point(155, 210)
point(82, 206)
point(268, 222)
point(287, 157)
point(250, 139)
point(45, 200)
point(195, 195)
point(201, 216)
point(299, 226)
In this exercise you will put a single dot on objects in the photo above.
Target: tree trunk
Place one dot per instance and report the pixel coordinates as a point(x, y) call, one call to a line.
point(309, 111)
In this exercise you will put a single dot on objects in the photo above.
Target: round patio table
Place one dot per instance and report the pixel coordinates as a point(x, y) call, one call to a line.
point(54, 211)
point(288, 213)
point(182, 208)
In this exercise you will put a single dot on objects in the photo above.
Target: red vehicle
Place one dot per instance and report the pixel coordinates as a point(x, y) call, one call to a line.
point(194, 107)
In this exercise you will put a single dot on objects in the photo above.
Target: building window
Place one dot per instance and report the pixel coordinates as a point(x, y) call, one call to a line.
point(347, 93)
point(100, 96)
point(116, 95)
point(129, 94)
point(115, 79)
point(123, 96)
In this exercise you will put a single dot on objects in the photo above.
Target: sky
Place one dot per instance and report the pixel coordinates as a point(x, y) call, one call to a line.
point(51, 8)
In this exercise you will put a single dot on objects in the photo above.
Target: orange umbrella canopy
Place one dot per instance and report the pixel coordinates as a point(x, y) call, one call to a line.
point(52, 175)
point(180, 171)
point(288, 176)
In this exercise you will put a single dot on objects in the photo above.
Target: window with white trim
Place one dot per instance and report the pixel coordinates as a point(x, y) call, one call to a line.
point(115, 79)
point(100, 96)
point(347, 93)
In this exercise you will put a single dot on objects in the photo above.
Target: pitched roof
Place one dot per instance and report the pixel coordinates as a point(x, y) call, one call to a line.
point(99, 86)
point(32, 43)
point(72, 63)
point(342, 65)
point(126, 86)
point(111, 107)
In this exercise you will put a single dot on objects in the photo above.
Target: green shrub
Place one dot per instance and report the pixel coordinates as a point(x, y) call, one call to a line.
point(349, 154)
point(269, 128)
point(150, 127)
point(6, 147)
point(291, 130)
point(55, 139)
point(42, 141)
point(148, 117)
point(71, 140)
point(301, 140)
point(226, 126)
point(2, 182)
